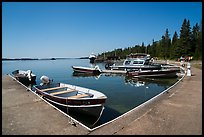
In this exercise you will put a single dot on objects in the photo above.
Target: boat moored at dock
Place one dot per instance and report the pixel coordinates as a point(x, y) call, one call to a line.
point(154, 73)
point(74, 98)
point(92, 70)
point(136, 61)
point(25, 77)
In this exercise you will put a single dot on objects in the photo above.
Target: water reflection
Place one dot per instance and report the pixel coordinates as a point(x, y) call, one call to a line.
point(134, 82)
point(138, 82)
point(78, 74)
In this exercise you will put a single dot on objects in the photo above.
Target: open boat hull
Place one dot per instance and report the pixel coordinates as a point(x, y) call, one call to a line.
point(92, 104)
point(92, 110)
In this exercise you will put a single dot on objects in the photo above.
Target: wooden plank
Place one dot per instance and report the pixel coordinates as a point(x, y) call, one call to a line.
point(62, 92)
point(79, 96)
point(54, 88)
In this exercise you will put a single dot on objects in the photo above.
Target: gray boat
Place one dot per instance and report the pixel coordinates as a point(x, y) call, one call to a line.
point(138, 61)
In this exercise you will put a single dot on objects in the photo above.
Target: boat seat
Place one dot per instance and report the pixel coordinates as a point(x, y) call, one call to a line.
point(62, 92)
point(79, 96)
point(54, 88)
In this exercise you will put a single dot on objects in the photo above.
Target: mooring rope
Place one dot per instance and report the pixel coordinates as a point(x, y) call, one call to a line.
point(99, 116)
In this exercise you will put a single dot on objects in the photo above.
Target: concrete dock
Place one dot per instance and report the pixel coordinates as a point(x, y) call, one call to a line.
point(176, 112)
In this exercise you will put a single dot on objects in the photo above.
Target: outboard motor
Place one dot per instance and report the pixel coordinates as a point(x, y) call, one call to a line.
point(45, 80)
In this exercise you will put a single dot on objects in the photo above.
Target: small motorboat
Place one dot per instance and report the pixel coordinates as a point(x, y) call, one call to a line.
point(24, 76)
point(73, 98)
point(92, 70)
point(154, 73)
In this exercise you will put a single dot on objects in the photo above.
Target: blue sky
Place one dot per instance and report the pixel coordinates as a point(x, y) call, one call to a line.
point(75, 29)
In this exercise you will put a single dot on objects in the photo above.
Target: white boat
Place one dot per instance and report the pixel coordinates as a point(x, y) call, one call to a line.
point(24, 76)
point(74, 98)
point(136, 61)
point(92, 70)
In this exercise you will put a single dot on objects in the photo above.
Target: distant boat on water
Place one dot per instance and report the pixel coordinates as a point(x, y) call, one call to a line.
point(92, 57)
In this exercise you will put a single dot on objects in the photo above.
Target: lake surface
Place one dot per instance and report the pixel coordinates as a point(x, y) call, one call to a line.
point(123, 93)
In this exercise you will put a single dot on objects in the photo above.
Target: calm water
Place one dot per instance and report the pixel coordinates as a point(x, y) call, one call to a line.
point(123, 93)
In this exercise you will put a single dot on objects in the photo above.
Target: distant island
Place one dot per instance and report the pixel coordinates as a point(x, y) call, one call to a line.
point(84, 58)
point(19, 59)
point(11, 59)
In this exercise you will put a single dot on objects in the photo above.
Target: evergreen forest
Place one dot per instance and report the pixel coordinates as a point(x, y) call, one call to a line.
point(187, 43)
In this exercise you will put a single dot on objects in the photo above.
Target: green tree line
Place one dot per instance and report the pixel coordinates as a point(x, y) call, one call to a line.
point(189, 43)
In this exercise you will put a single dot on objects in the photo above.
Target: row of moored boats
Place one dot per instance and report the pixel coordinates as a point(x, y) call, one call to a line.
point(135, 65)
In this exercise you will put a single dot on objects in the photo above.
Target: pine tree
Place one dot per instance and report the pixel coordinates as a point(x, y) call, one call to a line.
point(167, 44)
point(198, 48)
point(174, 47)
point(185, 41)
point(143, 48)
point(159, 49)
point(152, 49)
point(188, 38)
point(182, 41)
point(194, 39)
point(163, 47)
